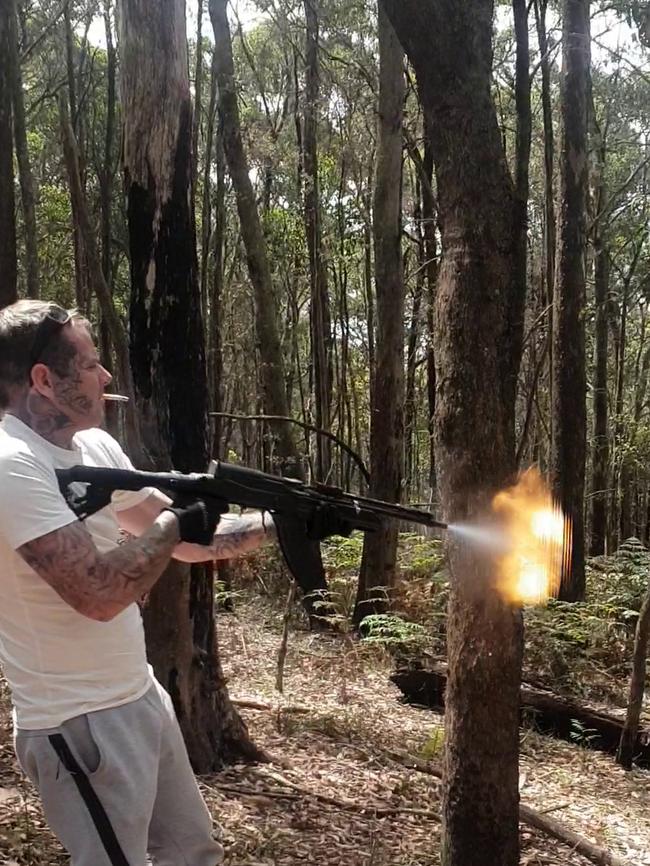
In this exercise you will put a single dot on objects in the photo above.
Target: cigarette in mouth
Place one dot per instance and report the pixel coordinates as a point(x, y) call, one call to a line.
point(116, 398)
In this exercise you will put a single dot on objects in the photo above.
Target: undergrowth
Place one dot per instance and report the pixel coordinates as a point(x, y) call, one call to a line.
point(582, 649)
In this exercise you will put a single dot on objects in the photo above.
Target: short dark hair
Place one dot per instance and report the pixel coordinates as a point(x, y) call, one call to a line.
point(19, 323)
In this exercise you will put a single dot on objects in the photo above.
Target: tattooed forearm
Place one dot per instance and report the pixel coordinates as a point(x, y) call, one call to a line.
point(102, 585)
point(235, 535)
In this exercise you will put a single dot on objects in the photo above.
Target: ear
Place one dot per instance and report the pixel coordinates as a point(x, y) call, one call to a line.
point(42, 379)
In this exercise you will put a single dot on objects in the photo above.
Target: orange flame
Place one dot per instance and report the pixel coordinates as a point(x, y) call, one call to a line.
point(539, 541)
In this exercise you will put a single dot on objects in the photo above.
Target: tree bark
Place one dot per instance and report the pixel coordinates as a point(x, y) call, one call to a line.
point(431, 257)
point(81, 283)
point(106, 173)
point(549, 150)
point(198, 95)
point(524, 132)
point(629, 738)
point(22, 154)
point(100, 288)
point(600, 456)
point(272, 372)
point(377, 575)
point(569, 413)
point(320, 315)
point(167, 352)
point(479, 312)
point(8, 257)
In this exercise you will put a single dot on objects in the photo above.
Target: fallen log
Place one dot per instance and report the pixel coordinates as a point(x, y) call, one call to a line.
point(531, 817)
point(545, 711)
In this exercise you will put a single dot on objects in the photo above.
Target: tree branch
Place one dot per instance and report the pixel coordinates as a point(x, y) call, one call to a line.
point(305, 426)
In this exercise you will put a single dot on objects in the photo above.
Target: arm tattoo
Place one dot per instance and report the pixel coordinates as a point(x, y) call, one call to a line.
point(241, 534)
point(101, 585)
point(236, 535)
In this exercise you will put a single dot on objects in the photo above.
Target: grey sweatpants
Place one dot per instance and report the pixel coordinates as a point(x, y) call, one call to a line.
point(116, 784)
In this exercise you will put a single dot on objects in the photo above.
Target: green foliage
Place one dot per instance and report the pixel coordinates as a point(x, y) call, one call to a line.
point(393, 632)
point(585, 647)
point(431, 750)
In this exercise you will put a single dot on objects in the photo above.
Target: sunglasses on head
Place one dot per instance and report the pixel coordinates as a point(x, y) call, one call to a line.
point(55, 318)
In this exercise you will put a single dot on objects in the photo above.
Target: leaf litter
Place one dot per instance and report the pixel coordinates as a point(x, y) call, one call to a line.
point(336, 791)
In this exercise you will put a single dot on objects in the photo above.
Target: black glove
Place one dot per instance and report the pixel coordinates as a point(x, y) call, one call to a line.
point(327, 521)
point(197, 518)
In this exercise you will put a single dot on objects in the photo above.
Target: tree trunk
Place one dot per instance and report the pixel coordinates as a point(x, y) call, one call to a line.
point(198, 95)
point(106, 174)
point(628, 744)
point(101, 290)
point(22, 154)
point(413, 339)
point(431, 257)
point(81, 293)
point(8, 261)
point(206, 206)
point(377, 575)
point(524, 132)
point(549, 149)
point(215, 358)
point(569, 413)
point(167, 352)
point(320, 316)
point(479, 311)
point(548, 269)
point(272, 373)
point(600, 456)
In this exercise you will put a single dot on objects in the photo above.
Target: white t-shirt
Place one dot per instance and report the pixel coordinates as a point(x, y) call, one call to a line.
point(59, 663)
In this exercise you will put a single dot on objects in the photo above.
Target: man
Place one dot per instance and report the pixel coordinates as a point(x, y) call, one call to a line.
point(94, 731)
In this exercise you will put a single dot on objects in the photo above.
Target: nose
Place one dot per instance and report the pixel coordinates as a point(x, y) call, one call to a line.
point(105, 377)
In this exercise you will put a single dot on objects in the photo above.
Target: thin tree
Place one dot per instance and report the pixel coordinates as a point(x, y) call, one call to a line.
point(98, 283)
point(600, 454)
point(167, 354)
point(377, 573)
point(22, 151)
point(8, 262)
point(320, 316)
point(625, 754)
point(569, 412)
point(272, 374)
point(478, 327)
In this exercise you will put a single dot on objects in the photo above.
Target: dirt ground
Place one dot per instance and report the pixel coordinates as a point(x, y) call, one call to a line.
point(337, 791)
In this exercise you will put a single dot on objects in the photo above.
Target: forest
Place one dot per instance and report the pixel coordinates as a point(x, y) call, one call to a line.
point(400, 248)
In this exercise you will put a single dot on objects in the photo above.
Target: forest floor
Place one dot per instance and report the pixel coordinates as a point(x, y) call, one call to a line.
point(336, 791)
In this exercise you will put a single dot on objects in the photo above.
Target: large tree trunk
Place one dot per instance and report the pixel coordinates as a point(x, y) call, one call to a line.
point(479, 312)
point(22, 153)
point(8, 263)
point(569, 413)
point(167, 354)
point(272, 372)
point(320, 317)
point(377, 574)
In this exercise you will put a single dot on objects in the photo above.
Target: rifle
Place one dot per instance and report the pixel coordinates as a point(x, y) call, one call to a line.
point(303, 514)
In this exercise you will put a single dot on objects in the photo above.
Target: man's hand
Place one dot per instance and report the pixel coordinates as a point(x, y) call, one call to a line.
point(197, 518)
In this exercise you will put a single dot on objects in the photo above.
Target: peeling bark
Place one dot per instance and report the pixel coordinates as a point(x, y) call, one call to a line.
point(168, 359)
